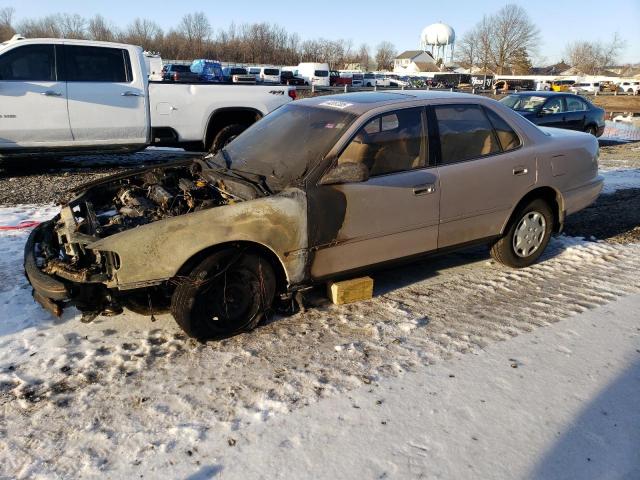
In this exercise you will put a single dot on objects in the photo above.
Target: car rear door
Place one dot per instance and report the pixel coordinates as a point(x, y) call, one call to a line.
point(107, 97)
point(393, 214)
point(33, 98)
point(484, 171)
point(576, 114)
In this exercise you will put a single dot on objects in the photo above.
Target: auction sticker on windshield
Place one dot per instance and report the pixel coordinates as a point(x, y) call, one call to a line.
point(336, 104)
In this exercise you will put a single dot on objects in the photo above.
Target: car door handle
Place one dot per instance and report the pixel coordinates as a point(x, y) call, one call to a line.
point(520, 171)
point(51, 93)
point(424, 189)
point(129, 93)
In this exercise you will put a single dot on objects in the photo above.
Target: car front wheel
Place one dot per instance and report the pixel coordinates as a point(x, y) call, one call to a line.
point(226, 294)
point(526, 237)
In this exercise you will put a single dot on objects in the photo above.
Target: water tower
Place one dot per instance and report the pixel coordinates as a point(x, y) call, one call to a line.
point(439, 39)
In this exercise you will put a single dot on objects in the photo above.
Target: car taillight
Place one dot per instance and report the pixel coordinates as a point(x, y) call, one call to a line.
point(293, 94)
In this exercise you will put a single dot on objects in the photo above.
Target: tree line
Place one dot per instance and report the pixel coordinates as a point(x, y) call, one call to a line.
point(502, 43)
point(194, 37)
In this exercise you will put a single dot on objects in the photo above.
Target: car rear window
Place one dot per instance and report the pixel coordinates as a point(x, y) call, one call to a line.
point(97, 64)
point(508, 138)
point(238, 71)
point(271, 71)
point(465, 133)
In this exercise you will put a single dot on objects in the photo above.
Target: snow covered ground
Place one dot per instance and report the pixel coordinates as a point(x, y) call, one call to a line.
point(357, 391)
point(620, 179)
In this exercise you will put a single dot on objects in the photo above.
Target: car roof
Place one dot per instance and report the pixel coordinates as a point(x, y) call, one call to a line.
point(361, 102)
point(544, 94)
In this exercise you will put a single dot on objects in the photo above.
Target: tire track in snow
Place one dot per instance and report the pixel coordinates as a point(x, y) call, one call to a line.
point(130, 376)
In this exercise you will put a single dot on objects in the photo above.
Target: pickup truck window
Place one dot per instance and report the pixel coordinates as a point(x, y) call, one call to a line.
point(29, 63)
point(97, 64)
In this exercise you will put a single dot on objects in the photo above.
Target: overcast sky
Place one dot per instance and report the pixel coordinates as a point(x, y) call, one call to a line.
point(560, 21)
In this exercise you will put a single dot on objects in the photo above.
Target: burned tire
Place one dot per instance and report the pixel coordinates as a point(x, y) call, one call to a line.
point(226, 294)
point(526, 237)
point(226, 135)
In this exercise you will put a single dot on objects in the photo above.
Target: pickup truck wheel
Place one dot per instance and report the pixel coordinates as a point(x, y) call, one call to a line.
point(226, 135)
point(226, 294)
point(526, 237)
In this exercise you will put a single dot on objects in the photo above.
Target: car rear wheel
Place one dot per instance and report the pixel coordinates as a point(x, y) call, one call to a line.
point(591, 129)
point(526, 237)
point(225, 136)
point(226, 294)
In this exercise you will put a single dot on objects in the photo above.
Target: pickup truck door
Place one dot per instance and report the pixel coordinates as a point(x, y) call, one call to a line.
point(33, 101)
point(108, 102)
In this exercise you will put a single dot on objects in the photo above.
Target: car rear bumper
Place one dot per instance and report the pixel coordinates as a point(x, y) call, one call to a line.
point(50, 292)
point(583, 196)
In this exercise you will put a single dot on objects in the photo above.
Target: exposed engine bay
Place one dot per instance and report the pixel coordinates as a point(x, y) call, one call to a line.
point(154, 195)
point(131, 200)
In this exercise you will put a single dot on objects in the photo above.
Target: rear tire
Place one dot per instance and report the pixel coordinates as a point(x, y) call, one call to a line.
point(526, 237)
point(225, 136)
point(226, 294)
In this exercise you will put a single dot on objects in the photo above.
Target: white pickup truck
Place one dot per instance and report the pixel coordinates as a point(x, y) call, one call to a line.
point(71, 96)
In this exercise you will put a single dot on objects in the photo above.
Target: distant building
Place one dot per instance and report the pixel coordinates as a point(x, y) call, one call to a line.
point(414, 61)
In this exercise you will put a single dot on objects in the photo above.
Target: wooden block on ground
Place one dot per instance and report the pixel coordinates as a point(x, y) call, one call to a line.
point(349, 291)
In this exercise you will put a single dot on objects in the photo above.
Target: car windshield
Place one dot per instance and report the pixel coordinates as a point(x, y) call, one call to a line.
point(286, 144)
point(525, 103)
point(180, 68)
point(321, 73)
point(238, 71)
point(271, 71)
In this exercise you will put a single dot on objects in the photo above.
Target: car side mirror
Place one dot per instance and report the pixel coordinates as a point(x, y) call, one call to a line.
point(348, 172)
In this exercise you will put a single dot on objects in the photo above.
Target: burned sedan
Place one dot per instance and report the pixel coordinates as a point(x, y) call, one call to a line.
point(320, 188)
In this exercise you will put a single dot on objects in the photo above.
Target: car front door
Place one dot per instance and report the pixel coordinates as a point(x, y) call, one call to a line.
point(33, 100)
point(391, 215)
point(484, 171)
point(107, 99)
point(552, 113)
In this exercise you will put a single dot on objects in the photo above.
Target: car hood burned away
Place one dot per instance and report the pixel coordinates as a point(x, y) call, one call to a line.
point(110, 234)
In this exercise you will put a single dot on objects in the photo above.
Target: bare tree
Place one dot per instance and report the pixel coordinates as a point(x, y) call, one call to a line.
point(468, 49)
point(363, 57)
point(511, 31)
point(591, 57)
point(6, 23)
point(71, 25)
point(196, 30)
point(142, 32)
point(99, 29)
point(385, 53)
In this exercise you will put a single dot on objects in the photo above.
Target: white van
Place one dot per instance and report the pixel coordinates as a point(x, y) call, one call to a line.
point(255, 71)
point(588, 87)
point(314, 73)
point(270, 75)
